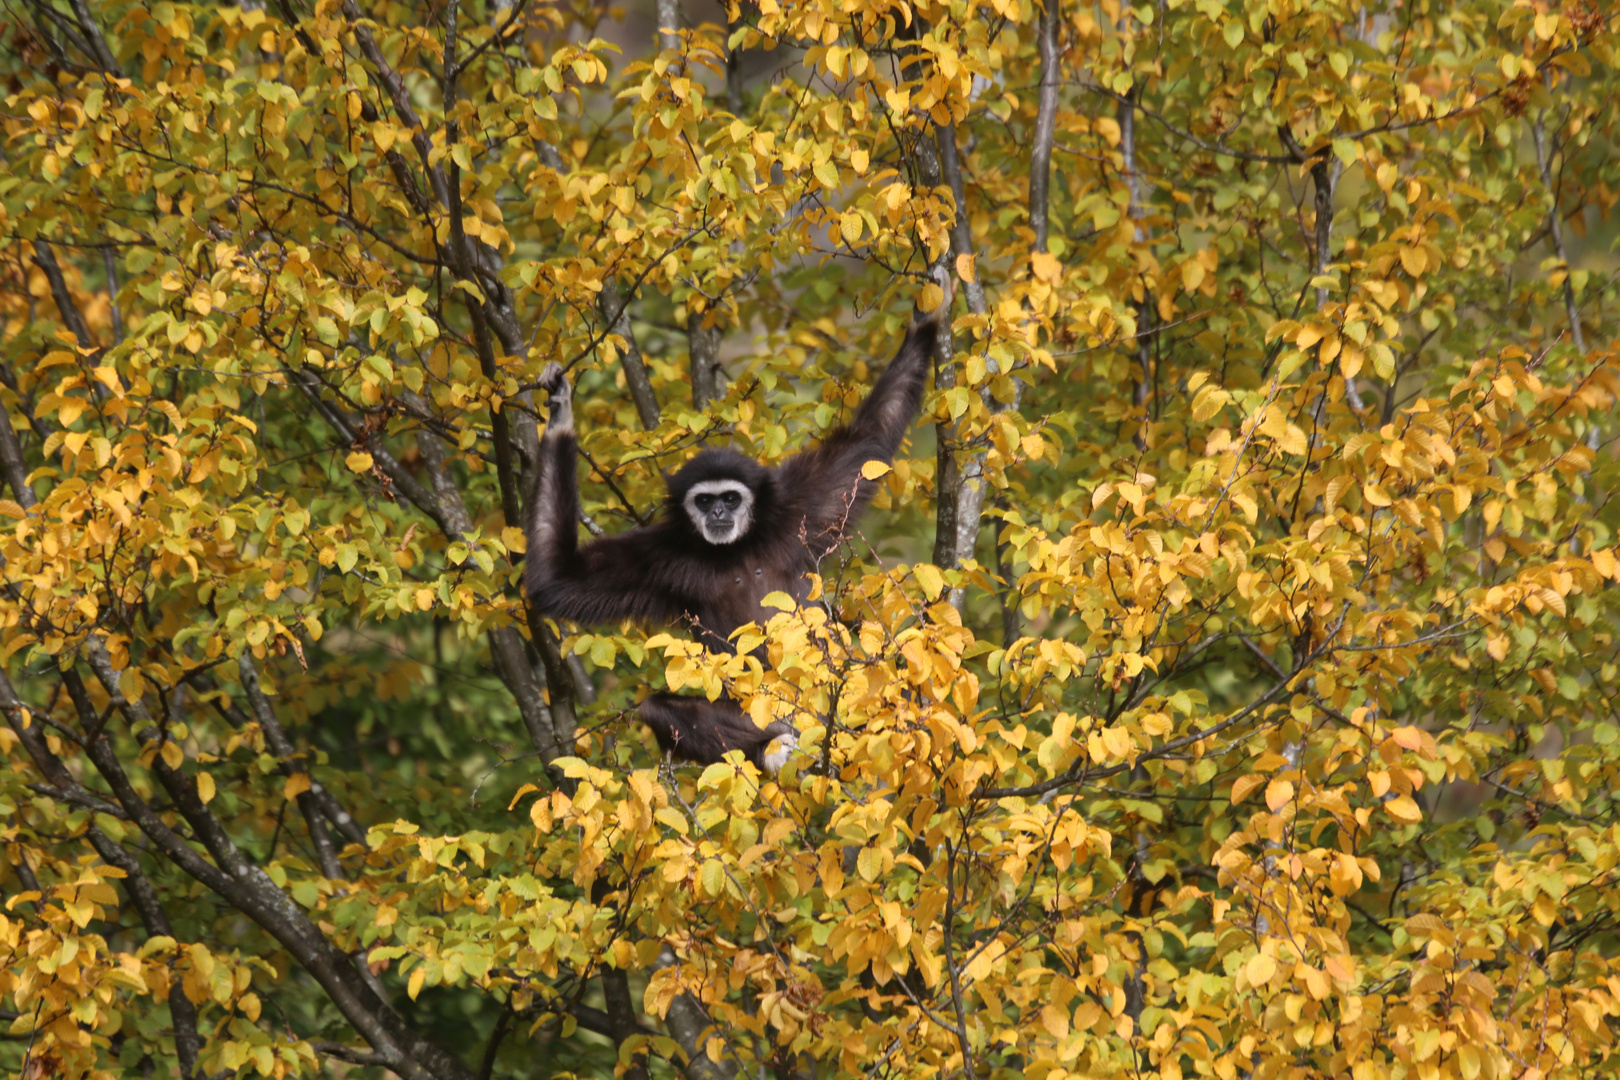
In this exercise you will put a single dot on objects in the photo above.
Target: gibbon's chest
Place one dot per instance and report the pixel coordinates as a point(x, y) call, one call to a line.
point(735, 593)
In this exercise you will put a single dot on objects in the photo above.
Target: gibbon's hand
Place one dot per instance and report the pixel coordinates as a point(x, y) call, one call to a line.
point(554, 381)
point(940, 275)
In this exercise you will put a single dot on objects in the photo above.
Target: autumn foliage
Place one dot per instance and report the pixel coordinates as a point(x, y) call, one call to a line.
point(1223, 684)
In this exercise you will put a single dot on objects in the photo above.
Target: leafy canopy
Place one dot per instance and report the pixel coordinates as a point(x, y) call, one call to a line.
point(1222, 686)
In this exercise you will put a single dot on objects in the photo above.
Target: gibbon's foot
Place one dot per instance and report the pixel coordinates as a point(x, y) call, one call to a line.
point(782, 748)
point(704, 731)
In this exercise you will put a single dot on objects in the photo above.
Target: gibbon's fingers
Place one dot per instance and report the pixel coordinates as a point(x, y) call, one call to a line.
point(940, 275)
point(553, 378)
point(554, 381)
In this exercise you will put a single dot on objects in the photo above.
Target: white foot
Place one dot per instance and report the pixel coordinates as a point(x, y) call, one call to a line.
point(776, 758)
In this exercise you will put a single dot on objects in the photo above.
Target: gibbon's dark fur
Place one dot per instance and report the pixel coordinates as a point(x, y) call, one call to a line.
point(668, 571)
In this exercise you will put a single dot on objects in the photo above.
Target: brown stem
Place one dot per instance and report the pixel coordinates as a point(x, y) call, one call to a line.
point(400, 97)
point(308, 806)
point(246, 886)
point(615, 311)
point(948, 484)
point(136, 884)
point(1008, 595)
point(621, 1011)
point(950, 963)
point(550, 725)
point(110, 262)
point(14, 465)
point(689, 1024)
point(72, 318)
point(1555, 226)
point(331, 809)
point(98, 41)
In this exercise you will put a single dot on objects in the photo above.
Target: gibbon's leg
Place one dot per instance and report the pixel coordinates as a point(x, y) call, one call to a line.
point(704, 731)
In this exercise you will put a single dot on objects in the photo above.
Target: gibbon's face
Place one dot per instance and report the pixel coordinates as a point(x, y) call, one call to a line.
point(722, 511)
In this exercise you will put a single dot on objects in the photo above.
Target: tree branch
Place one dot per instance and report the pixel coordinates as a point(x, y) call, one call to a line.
point(615, 312)
point(72, 318)
point(293, 761)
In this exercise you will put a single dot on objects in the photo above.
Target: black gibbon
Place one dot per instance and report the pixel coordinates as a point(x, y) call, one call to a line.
point(733, 531)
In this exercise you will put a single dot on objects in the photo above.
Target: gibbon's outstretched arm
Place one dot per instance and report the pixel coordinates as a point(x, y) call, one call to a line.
point(611, 578)
point(825, 481)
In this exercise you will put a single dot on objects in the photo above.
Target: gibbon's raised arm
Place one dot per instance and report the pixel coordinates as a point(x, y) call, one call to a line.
point(825, 482)
point(606, 580)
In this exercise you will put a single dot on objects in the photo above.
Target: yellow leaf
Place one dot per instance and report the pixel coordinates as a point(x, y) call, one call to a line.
point(712, 878)
point(1208, 401)
point(296, 785)
point(1260, 969)
point(1403, 809)
point(966, 269)
point(1316, 982)
point(930, 298)
point(850, 225)
point(1374, 495)
point(1045, 266)
point(1279, 793)
point(359, 461)
point(205, 788)
point(1350, 361)
point(1293, 440)
point(1409, 738)
point(1344, 876)
point(173, 756)
point(414, 986)
point(1243, 785)
point(929, 577)
point(874, 469)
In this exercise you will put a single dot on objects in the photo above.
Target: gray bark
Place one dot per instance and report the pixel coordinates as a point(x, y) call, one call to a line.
point(703, 345)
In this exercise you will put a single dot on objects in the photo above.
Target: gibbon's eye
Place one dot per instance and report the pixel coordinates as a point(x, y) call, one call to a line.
point(732, 499)
point(704, 502)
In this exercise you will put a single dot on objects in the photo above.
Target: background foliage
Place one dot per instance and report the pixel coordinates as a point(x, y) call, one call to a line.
point(1223, 685)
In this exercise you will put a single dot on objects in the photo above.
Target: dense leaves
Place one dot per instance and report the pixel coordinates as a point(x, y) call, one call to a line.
point(1222, 685)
